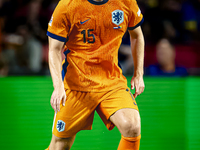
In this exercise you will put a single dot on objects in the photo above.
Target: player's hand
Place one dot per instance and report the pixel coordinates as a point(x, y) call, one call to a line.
point(138, 84)
point(57, 96)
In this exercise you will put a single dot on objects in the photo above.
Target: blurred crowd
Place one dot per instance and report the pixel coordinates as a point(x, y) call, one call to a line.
point(171, 30)
point(23, 36)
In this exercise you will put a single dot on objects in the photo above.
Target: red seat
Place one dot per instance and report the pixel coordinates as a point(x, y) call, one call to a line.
point(186, 56)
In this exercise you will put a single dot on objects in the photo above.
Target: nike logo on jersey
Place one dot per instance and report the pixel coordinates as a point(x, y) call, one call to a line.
point(84, 21)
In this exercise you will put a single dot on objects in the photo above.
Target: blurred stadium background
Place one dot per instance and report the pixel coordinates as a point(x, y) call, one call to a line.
point(169, 107)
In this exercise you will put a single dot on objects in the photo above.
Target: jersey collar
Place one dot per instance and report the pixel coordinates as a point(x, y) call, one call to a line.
point(98, 3)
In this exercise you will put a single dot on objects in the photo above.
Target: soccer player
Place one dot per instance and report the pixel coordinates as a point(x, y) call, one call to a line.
point(90, 78)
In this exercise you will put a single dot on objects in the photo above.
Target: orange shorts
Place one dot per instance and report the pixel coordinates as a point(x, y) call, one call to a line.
point(78, 112)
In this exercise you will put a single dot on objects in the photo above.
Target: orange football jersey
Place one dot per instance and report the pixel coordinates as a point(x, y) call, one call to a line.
point(92, 32)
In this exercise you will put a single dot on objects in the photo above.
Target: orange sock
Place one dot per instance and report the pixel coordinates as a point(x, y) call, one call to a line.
point(129, 143)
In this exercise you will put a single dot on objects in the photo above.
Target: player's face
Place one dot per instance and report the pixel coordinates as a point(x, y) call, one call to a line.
point(165, 53)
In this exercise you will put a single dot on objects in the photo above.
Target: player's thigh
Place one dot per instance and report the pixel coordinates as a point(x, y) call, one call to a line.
point(116, 100)
point(58, 143)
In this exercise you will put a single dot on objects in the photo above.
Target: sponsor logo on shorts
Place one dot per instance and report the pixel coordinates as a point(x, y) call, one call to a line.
point(60, 126)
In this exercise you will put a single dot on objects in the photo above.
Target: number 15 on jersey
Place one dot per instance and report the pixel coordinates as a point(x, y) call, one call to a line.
point(88, 35)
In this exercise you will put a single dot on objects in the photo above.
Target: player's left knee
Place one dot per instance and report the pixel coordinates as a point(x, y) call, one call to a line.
point(131, 127)
point(134, 129)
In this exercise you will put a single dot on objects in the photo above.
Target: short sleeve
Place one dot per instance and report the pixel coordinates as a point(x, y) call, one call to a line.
point(59, 25)
point(136, 17)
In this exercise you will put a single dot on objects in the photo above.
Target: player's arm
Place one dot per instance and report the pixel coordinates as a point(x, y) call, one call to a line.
point(55, 62)
point(137, 48)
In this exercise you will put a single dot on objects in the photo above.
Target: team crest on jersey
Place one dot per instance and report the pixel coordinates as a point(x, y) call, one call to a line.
point(60, 126)
point(117, 17)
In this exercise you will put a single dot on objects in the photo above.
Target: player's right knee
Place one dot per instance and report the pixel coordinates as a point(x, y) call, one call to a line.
point(58, 143)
